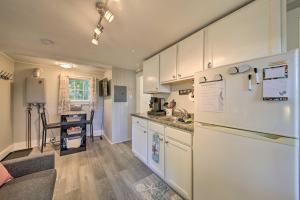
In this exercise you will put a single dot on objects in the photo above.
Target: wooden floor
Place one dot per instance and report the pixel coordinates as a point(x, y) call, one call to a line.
point(103, 172)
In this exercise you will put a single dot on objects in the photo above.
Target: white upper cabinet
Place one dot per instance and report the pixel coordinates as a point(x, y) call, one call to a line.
point(254, 31)
point(151, 77)
point(168, 65)
point(190, 55)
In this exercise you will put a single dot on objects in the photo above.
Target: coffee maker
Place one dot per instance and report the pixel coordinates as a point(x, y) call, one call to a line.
point(156, 106)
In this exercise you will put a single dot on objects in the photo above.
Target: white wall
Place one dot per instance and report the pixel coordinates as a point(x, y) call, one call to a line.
point(182, 101)
point(51, 74)
point(117, 119)
point(142, 100)
point(293, 17)
point(121, 111)
point(6, 133)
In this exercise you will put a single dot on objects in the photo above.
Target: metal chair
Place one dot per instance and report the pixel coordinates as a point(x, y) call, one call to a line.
point(47, 126)
point(90, 122)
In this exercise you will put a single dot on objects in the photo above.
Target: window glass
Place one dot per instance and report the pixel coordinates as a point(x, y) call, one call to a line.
point(79, 89)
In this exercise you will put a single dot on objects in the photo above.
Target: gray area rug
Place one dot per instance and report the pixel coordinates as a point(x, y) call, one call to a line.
point(153, 188)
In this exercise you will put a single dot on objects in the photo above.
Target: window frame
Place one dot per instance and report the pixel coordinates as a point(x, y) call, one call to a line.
point(89, 94)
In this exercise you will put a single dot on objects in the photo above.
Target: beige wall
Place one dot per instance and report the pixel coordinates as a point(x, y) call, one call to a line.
point(6, 134)
point(51, 74)
point(293, 17)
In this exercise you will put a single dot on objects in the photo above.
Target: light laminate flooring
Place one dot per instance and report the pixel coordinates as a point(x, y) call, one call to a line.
point(105, 172)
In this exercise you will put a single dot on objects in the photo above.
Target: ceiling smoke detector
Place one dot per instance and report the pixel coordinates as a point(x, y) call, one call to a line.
point(45, 41)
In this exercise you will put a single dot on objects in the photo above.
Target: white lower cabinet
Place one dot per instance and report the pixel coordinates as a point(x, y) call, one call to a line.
point(167, 152)
point(178, 166)
point(139, 142)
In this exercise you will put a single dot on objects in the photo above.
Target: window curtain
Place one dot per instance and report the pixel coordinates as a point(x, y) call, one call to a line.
point(93, 93)
point(63, 94)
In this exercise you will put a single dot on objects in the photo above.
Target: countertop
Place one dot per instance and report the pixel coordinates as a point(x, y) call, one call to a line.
point(163, 120)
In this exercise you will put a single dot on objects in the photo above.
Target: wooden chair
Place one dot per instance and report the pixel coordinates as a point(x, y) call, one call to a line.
point(47, 126)
point(90, 122)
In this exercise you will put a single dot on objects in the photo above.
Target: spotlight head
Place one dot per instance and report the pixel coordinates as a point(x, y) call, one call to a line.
point(109, 16)
point(95, 41)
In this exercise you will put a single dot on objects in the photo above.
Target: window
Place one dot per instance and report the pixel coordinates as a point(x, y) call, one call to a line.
point(79, 89)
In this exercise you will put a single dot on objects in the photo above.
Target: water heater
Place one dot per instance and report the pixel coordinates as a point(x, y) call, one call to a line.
point(35, 90)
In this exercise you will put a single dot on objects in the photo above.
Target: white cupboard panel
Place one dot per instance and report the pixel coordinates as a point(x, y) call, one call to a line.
point(151, 82)
point(190, 55)
point(168, 64)
point(139, 142)
point(254, 31)
point(178, 167)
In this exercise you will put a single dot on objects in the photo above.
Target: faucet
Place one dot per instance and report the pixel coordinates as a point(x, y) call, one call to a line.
point(183, 113)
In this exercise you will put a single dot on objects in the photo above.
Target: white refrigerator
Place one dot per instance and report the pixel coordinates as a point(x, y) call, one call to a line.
point(246, 140)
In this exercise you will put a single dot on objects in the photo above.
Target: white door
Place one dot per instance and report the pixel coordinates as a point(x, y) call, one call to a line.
point(168, 64)
point(190, 55)
point(178, 167)
point(231, 164)
point(254, 31)
point(156, 152)
point(139, 142)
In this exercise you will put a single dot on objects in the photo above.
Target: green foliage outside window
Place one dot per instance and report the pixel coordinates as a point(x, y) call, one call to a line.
point(79, 90)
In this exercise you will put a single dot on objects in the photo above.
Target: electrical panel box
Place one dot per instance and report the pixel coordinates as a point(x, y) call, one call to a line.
point(120, 93)
point(35, 90)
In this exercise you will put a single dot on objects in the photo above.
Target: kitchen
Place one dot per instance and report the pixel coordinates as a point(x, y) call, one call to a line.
point(187, 156)
point(144, 100)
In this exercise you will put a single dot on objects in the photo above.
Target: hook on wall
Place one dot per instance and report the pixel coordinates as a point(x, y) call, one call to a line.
point(5, 75)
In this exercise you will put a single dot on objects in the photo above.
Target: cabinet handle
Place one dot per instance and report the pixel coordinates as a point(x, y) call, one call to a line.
point(179, 75)
point(166, 142)
point(145, 131)
point(174, 76)
point(161, 139)
point(209, 65)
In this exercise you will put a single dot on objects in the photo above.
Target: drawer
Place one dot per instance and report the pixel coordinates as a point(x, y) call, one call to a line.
point(140, 122)
point(179, 136)
point(155, 127)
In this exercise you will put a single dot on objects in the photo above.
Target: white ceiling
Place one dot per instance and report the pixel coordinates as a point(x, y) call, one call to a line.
point(141, 28)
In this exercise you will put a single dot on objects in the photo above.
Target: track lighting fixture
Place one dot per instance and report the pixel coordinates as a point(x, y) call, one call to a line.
point(107, 15)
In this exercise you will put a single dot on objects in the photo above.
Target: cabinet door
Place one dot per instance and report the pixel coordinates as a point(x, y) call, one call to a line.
point(178, 167)
point(252, 32)
point(190, 55)
point(139, 142)
point(156, 153)
point(151, 74)
point(168, 64)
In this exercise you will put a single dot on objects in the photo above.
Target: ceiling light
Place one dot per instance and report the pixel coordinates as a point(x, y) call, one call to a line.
point(95, 41)
point(109, 16)
point(99, 30)
point(65, 65)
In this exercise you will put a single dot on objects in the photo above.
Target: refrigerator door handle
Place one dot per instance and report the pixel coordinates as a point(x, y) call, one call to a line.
point(251, 134)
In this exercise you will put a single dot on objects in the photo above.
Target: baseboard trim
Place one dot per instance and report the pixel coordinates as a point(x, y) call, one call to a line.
point(116, 142)
point(97, 133)
point(6, 151)
point(107, 139)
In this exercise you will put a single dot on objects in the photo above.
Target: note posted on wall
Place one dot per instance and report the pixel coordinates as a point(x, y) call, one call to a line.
point(211, 96)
